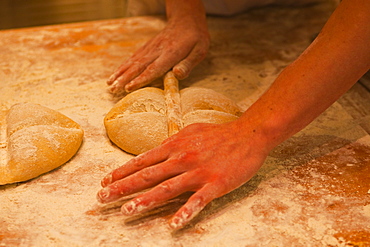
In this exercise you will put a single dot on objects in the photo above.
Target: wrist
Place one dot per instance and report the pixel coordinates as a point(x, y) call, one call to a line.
point(265, 126)
point(178, 10)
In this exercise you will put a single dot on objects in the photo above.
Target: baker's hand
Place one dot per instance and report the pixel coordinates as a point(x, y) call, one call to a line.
point(208, 159)
point(181, 45)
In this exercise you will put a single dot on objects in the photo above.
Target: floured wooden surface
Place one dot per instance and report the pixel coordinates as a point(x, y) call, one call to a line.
point(313, 189)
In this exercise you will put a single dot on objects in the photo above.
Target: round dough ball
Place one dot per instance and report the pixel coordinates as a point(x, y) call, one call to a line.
point(139, 132)
point(25, 115)
point(39, 149)
point(138, 123)
point(39, 140)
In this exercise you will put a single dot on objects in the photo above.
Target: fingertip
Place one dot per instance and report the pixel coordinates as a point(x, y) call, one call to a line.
point(111, 79)
point(181, 71)
point(117, 88)
point(114, 87)
point(107, 180)
point(186, 214)
point(128, 208)
point(133, 85)
point(129, 87)
point(103, 194)
point(135, 206)
point(176, 223)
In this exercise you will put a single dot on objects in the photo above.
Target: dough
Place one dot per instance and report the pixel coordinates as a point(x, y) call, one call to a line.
point(138, 122)
point(145, 118)
point(201, 105)
point(38, 140)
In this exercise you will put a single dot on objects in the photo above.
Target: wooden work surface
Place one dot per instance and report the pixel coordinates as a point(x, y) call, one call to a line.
point(313, 189)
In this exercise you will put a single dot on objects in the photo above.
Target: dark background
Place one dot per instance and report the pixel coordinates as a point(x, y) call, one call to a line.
point(27, 13)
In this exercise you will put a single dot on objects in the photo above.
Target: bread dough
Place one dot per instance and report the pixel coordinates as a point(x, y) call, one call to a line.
point(140, 121)
point(39, 140)
point(201, 105)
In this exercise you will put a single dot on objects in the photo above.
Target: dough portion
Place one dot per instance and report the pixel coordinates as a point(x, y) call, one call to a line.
point(207, 116)
point(196, 98)
point(138, 122)
point(138, 132)
point(39, 140)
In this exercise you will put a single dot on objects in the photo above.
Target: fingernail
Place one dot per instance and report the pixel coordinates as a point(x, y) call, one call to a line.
point(114, 87)
point(115, 83)
point(111, 78)
point(186, 215)
point(133, 207)
point(103, 194)
point(181, 71)
point(129, 208)
point(107, 180)
point(176, 223)
point(127, 88)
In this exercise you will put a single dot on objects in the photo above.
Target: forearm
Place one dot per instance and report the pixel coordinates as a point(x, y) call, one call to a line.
point(187, 19)
point(327, 69)
point(177, 10)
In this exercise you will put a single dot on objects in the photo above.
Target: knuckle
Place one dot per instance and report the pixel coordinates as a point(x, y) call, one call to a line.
point(222, 184)
point(146, 175)
point(152, 70)
point(169, 140)
point(138, 66)
point(200, 199)
point(138, 161)
point(184, 157)
point(201, 54)
point(167, 187)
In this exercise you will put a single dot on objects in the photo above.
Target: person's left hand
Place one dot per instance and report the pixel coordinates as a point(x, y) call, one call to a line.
point(180, 46)
point(209, 159)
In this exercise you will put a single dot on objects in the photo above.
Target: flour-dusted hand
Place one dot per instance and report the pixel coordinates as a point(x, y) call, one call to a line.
point(212, 160)
point(181, 45)
point(209, 159)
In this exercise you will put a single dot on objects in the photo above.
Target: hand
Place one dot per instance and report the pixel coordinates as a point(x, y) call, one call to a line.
point(181, 45)
point(209, 159)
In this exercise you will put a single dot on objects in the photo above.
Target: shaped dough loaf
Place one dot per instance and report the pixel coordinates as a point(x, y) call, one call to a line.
point(39, 140)
point(139, 121)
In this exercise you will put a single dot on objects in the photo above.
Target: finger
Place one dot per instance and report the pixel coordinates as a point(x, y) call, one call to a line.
point(194, 205)
point(154, 71)
point(133, 71)
point(132, 68)
point(141, 180)
point(161, 193)
point(170, 139)
point(149, 158)
point(118, 72)
point(183, 68)
point(127, 64)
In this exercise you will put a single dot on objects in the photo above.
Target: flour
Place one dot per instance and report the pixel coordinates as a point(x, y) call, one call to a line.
point(367, 210)
point(66, 67)
point(21, 145)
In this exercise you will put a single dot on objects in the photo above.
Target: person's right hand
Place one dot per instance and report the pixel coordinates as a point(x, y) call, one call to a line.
point(208, 159)
point(181, 45)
